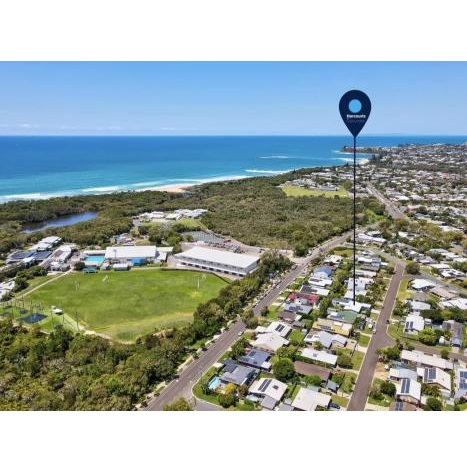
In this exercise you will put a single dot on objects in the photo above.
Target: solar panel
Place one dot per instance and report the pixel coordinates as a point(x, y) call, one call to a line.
point(463, 374)
point(399, 405)
point(463, 384)
point(405, 385)
point(280, 327)
point(264, 385)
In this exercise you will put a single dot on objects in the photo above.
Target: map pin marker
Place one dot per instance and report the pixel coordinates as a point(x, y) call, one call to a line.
point(355, 108)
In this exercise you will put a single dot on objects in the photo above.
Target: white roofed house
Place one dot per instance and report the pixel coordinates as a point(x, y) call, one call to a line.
point(307, 400)
point(270, 389)
point(218, 261)
point(414, 324)
point(422, 359)
point(438, 377)
point(422, 284)
point(409, 390)
point(280, 328)
point(269, 342)
point(320, 356)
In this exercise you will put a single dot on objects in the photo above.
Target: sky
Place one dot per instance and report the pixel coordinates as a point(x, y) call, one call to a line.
point(228, 98)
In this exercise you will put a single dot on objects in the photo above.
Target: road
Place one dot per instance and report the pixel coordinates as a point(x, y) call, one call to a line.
point(379, 340)
point(182, 386)
point(391, 208)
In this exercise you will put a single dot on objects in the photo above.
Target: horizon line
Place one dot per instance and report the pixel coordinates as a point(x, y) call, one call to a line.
point(143, 135)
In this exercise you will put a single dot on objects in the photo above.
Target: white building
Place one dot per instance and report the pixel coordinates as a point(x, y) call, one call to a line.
point(269, 342)
point(320, 356)
point(268, 387)
point(122, 254)
point(218, 261)
point(414, 324)
point(308, 400)
point(425, 360)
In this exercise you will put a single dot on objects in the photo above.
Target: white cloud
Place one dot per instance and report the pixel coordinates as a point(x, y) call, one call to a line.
point(28, 125)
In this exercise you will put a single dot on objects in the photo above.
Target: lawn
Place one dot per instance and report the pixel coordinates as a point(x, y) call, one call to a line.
point(125, 305)
point(364, 340)
point(296, 337)
point(357, 359)
point(294, 191)
point(342, 401)
point(403, 293)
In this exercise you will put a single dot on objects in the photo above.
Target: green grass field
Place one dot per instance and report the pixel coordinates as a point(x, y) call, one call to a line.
point(129, 304)
point(291, 190)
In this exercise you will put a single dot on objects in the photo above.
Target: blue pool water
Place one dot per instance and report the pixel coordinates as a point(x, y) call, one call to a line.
point(214, 383)
point(96, 259)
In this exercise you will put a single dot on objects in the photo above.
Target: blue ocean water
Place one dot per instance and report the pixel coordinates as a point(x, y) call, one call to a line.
point(46, 166)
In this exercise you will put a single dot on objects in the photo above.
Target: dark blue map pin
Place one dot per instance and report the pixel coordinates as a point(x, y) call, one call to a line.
point(355, 108)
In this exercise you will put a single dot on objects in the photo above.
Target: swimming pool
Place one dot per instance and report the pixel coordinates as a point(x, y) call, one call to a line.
point(214, 383)
point(96, 260)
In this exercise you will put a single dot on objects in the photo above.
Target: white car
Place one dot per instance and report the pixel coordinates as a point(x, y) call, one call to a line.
point(240, 333)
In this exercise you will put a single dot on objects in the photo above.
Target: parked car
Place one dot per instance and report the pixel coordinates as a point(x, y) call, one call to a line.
point(240, 333)
point(333, 405)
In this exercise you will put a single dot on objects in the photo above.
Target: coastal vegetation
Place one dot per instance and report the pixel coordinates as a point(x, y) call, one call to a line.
point(253, 210)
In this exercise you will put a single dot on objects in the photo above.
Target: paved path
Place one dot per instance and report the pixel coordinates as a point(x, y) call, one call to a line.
point(182, 386)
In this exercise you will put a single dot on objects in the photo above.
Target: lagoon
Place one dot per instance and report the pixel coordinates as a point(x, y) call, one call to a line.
point(62, 221)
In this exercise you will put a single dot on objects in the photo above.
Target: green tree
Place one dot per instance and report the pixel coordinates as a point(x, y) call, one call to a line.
point(433, 404)
point(283, 369)
point(445, 354)
point(427, 336)
point(388, 388)
point(226, 400)
point(180, 404)
point(344, 361)
point(412, 268)
point(79, 266)
point(300, 250)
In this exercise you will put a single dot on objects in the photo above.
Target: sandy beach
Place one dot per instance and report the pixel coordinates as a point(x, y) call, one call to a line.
point(169, 188)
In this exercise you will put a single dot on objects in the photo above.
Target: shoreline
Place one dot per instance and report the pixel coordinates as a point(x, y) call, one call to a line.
point(168, 188)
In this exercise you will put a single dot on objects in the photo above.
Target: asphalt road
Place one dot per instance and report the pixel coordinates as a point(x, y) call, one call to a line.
point(379, 340)
point(392, 210)
point(182, 386)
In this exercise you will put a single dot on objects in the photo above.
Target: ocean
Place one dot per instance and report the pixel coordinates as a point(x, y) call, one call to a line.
point(39, 167)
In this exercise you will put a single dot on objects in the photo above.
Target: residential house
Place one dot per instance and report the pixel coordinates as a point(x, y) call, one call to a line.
point(256, 359)
point(307, 400)
point(270, 389)
point(414, 324)
point(308, 369)
point(396, 374)
point(456, 331)
point(437, 377)
point(326, 339)
point(337, 327)
point(320, 356)
point(269, 342)
point(422, 284)
point(237, 374)
point(418, 358)
point(409, 390)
